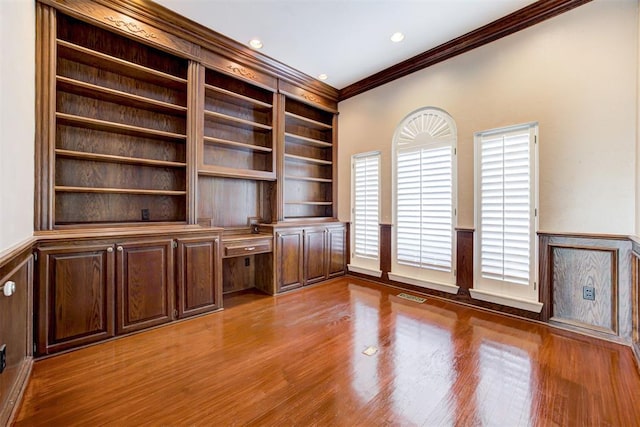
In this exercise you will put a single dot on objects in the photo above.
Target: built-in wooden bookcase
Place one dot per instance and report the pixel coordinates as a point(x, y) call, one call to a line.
point(237, 154)
point(309, 156)
point(146, 126)
point(238, 129)
point(120, 136)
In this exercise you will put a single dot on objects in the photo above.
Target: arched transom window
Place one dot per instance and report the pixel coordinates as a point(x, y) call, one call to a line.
point(424, 148)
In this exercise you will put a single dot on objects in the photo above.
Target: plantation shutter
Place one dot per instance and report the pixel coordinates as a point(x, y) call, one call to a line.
point(506, 206)
point(424, 212)
point(366, 170)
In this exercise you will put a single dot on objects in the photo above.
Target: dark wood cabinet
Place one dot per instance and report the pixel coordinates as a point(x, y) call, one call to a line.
point(289, 259)
point(199, 276)
point(336, 251)
point(91, 291)
point(75, 299)
point(315, 255)
point(308, 255)
point(145, 285)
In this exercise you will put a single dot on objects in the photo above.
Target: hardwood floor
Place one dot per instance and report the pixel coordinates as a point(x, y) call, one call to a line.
point(297, 359)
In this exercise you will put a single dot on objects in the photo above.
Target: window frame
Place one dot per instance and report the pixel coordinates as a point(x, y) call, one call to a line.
point(501, 291)
point(359, 263)
point(419, 276)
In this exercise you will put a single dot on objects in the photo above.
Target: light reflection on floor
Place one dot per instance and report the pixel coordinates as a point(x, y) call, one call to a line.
point(421, 355)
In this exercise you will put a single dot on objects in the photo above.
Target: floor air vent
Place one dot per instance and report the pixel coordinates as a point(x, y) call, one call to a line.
point(412, 298)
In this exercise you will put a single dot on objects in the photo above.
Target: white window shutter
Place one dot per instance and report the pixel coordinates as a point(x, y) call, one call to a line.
point(424, 210)
point(425, 200)
point(506, 205)
point(366, 170)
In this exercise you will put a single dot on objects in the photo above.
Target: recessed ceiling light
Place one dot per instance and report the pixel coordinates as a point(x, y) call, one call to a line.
point(397, 37)
point(255, 43)
point(323, 77)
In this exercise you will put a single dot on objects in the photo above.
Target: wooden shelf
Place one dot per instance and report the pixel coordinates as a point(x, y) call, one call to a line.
point(307, 178)
point(237, 121)
point(237, 145)
point(307, 159)
point(111, 95)
point(239, 99)
point(306, 140)
point(89, 123)
point(70, 154)
point(132, 227)
point(65, 189)
point(305, 219)
point(222, 171)
point(100, 60)
point(309, 203)
point(314, 124)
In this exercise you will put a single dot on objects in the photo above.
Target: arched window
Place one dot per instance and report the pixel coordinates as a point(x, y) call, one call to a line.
point(424, 161)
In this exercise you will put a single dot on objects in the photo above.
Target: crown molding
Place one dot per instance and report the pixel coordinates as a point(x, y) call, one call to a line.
point(512, 23)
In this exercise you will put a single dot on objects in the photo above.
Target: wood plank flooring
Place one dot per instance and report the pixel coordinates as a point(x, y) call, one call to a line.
point(297, 359)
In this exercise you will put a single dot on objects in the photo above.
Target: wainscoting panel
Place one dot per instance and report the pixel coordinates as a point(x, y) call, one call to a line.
point(601, 263)
point(16, 328)
point(574, 268)
point(464, 259)
point(385, 249)
point(635, 300)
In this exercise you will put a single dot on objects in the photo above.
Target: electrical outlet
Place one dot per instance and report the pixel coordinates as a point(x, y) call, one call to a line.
point(589, 293)
point(247, 262)
point(254, 222)
point(3, 357)
point(144, 213)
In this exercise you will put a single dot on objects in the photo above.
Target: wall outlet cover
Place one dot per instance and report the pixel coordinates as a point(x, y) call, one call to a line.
point(589, 293)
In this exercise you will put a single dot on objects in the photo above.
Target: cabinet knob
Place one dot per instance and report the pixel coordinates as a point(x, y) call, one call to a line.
point(109, 249)
point(119, 248)
point(250, 248)
point(8, 288)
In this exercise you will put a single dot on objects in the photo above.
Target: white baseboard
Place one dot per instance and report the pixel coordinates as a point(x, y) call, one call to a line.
point(533, 306)
point(442, 287)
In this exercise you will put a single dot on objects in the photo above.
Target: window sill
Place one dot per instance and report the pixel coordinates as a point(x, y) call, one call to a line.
point(363, 270)
point(442, 287)
point(522, 304)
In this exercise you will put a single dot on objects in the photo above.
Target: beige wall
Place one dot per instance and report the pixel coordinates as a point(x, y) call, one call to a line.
point(637, 229)
point(574, 74)
point(17, 103)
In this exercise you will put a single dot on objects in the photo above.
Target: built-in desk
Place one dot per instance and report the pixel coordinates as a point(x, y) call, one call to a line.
point(247, 262)
point(246, 244)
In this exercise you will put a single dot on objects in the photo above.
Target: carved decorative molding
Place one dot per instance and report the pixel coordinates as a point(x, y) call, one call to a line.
point(242, 71)
point(311, 98)
point(132, 27)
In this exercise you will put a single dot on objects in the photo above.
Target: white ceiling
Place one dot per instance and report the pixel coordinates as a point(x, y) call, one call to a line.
point(346, 39)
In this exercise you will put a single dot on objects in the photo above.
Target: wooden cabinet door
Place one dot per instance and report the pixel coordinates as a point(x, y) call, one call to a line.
point(144, 284)
point(74, 296)
point(199, 275)
point(289, 257)
point(337, 250)
point(315, 257)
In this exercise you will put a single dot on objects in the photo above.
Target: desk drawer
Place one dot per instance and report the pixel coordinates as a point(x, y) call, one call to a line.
point(232, 249)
